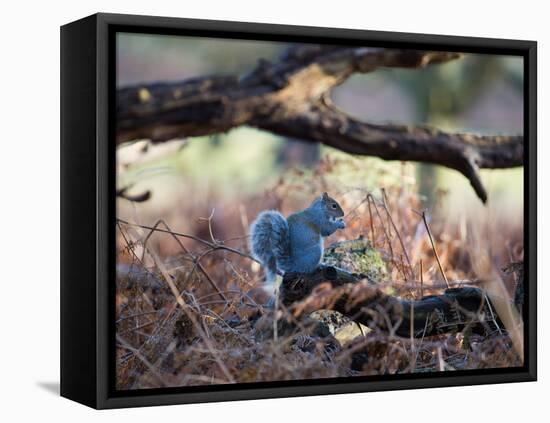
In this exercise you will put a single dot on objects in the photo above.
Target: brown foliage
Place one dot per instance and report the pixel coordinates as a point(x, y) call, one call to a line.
point(211, 336)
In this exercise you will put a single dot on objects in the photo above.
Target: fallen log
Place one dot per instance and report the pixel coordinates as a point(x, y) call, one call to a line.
point(456, 309)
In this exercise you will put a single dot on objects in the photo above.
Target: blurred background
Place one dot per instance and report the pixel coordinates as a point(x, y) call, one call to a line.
point(232, 176)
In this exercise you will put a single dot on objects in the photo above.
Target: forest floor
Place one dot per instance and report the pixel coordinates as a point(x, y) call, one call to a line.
point(188, 304)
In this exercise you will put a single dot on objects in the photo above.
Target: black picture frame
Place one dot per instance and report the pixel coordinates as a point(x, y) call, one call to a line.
point(88, 209)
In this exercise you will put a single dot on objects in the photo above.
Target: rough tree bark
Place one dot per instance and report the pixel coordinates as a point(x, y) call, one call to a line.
point(292, 98)
point(355, 297)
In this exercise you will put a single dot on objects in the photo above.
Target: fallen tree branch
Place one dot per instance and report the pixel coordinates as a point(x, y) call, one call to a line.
point(291, 98)
point(136, 198)
point(365, 303)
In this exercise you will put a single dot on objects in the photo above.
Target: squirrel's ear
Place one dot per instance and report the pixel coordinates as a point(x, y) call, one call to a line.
point(325, 195)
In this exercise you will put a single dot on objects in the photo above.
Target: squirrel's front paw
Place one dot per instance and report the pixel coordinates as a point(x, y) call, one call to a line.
point(341, 224)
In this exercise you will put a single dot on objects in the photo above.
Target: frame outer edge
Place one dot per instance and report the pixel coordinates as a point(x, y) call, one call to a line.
point(103, 221)
point(103, 198)
point(78, 243)
point(532, 200)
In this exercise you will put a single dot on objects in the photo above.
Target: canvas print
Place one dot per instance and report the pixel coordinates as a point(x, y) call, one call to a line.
point(301, 211)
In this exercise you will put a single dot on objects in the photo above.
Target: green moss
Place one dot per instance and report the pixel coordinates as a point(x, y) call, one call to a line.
point(356, 256)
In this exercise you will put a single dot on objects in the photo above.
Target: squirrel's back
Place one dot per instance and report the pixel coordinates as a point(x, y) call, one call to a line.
point(295, 244)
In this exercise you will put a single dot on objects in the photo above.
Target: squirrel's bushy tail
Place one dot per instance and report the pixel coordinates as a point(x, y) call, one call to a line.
point(270, 241)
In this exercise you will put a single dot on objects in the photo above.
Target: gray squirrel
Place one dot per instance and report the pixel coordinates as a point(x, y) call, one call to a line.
point(294, 244)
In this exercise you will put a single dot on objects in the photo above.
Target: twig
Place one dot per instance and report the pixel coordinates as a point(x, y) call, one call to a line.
point(217, 246)
point(421, 279)
point(491, 312)
point(423, 335)
point(386, 234)
point(209, 220)
point(130, 247)
point(384, 204)
point(121, 319)
point(423, 214)
point(186, 251)
point(191, 316)
point(371, 221)
point(140, 356)
point(138, 327)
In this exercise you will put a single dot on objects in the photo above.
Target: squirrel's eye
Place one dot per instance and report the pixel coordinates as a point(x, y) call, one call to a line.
point(333, 205)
